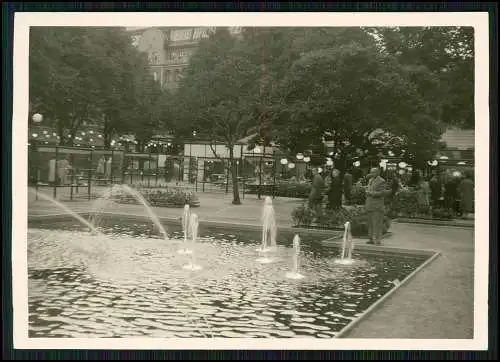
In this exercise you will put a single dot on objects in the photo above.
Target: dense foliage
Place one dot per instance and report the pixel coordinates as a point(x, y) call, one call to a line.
point(81, 76)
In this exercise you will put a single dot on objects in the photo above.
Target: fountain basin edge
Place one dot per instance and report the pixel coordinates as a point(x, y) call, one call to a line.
point(345, 331)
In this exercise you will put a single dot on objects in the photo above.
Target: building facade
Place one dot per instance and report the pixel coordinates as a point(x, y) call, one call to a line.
point(169, 49)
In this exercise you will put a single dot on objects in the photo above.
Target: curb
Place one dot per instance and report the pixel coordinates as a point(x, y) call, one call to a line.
point(433, 222)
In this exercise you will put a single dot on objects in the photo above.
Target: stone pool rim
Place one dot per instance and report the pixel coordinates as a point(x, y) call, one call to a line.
point(431, 255)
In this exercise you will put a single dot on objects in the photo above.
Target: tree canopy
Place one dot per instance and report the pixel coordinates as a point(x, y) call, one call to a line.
point(217, 97)
point(92, 75)
point(448, 53)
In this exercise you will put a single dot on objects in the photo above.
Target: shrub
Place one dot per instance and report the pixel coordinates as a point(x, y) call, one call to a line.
point(335, 219)
point(303, 216)
point(358, 195)
point(406, 204)
point(283, 189)
point(169, 197)
point(441, 213)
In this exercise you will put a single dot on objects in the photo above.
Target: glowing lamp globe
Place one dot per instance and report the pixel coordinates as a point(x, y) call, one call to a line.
point(329, 163)
point(37, 118)
point(356, 163)
point(284, 161)
point(291, 165)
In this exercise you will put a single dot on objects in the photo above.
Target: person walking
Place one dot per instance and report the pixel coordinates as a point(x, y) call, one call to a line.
point(376, 191)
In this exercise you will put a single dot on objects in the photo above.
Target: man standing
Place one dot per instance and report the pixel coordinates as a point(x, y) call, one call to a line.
point(317, 188)
point(347, 185)
point(375, 193)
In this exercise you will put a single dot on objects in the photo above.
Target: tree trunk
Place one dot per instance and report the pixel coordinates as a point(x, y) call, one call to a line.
point(60, 131)
point(107, 135)
point(234, 176)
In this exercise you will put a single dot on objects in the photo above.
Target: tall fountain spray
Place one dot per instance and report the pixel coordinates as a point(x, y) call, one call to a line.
point(269, 230)
point(294, 274)
point(193, 226)
point(186, 216)
point(347, 246)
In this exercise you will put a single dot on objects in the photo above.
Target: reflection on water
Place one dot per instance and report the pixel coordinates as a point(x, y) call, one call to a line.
point(131, 284)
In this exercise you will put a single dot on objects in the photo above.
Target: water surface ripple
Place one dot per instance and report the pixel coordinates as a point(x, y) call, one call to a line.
point(131, 284)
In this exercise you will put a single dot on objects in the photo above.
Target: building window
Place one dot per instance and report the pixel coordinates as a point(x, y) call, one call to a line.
point(155, 76)
point(177, 75)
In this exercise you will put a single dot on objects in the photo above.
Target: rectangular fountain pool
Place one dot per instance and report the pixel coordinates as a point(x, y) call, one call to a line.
point(130, 282)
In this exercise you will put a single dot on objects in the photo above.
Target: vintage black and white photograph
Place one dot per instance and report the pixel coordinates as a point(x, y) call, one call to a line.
point(233, 180)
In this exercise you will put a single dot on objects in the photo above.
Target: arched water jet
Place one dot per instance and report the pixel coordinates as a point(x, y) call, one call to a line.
point(65, 208)
point(152, 215)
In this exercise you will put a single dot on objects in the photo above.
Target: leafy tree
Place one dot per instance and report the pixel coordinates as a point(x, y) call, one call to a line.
point(60, 83)
point(349, 92)
point(217, 95)
point(92, 75)
point(448, 53)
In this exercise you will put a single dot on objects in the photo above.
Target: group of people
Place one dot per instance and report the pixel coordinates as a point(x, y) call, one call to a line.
point(376, 191)
point(332, 185)
point(448, 190)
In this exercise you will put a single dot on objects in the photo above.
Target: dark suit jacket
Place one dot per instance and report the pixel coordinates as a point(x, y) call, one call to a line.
point(378, 189)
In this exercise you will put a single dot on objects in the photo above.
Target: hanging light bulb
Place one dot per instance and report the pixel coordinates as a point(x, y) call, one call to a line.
point(83, 133)
point(35, 135)
point(37, 118)
point(91, 132)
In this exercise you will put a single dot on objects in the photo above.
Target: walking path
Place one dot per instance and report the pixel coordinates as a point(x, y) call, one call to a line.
point(437, 303)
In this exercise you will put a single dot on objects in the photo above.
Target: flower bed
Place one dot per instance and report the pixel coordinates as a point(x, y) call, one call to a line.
point(168, 197)
point(303, 216)
point(358, 195)
point(282, 189)
point(406, 205)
